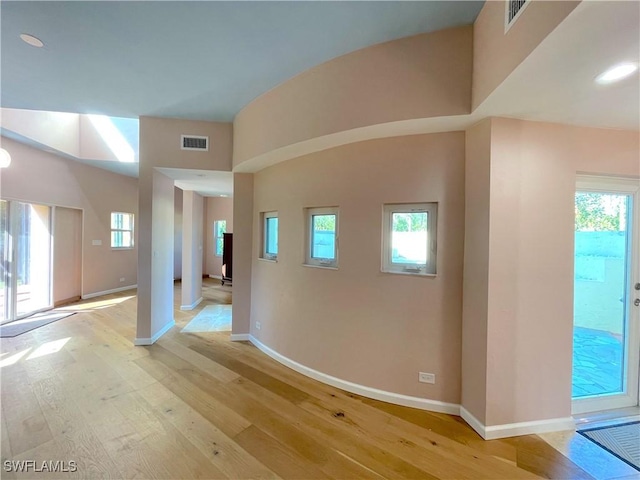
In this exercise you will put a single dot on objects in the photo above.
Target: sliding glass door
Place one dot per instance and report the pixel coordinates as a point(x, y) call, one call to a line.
point(26, 259)
point(4, 261)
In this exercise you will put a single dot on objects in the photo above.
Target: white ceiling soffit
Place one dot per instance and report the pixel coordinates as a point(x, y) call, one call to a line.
point(121, 168)
point(556, 83)
point(196, 60)
point(208, 183)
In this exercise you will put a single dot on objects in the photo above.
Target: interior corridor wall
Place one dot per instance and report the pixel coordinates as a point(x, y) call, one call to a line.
point(357, 323)
point(177, 233)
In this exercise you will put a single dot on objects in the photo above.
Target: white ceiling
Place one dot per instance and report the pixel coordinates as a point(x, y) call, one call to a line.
point(197, 60)
point(120, 58)
point(208, 183)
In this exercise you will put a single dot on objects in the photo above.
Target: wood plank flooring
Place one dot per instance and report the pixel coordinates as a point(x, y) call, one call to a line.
point(200, 406)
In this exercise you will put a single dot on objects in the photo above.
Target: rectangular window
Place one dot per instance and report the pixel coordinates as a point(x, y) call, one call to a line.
point(219, 229)
point(270, 235)
point(121, 230)
point(409, 238)
point(322, 236)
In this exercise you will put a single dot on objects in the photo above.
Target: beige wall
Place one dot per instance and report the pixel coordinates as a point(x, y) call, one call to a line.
point(356, 323)
point(58, 130)
point(161, 144)
point(531, 171)
point(192, 249)
point(40, 177)
point(67, 254)
point(218, 208)
point(422, 76)
point(177, 234)
point(496, 53)
point(476, 269)
point(242, 251)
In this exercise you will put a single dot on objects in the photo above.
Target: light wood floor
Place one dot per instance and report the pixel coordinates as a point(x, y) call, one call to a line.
point(200, 406)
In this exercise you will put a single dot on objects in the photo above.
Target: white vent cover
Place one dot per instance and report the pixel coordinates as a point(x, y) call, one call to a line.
point(513, 10)
point(194, 142)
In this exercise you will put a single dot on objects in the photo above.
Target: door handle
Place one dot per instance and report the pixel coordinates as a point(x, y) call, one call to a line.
point(636, 302)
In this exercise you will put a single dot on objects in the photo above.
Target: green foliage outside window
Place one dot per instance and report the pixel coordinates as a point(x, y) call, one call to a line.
point(593, 214)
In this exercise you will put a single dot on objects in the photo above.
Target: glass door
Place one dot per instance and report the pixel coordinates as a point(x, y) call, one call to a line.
point(605, 335)
point(4, 261)
point(26, 259)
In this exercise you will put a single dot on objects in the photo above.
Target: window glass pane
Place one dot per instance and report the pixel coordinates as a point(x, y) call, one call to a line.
point(116, 239)
point(271, 235)
point(221, 227)
point(116, 220)
point(126, 220)
point(324, 236)
point(409, 237)
point(126, 239)
point(600, 317)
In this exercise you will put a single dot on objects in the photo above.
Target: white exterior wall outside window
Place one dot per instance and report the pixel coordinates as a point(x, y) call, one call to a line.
point(322, 237)
point(410, 238)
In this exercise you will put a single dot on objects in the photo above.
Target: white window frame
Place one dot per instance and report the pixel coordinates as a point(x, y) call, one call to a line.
point(265, 218)
point(309, 259)
point(430, 267)
point(131, 230)
point(216, 237)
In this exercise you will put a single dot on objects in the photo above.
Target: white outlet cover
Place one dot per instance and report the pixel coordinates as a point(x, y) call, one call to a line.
point(96, 242)
point(426, 377)
point(258, 325)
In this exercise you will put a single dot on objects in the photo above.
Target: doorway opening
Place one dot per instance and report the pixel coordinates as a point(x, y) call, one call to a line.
point(26, 253)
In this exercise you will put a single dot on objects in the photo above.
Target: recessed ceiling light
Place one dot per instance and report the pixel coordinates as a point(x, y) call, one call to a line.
point(617, 72)
point(224, 195)
point(31, 40)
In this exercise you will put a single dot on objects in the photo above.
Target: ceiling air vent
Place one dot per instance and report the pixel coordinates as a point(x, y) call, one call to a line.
point(514, 9)
point(194, 142)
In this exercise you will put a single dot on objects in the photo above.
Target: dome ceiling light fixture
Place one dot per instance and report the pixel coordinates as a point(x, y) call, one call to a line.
point(617, 72)
point(31, 40)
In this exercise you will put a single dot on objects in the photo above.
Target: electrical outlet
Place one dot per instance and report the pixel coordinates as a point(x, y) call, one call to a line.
point(122, 279)
point(426, 377)
point(258, 325)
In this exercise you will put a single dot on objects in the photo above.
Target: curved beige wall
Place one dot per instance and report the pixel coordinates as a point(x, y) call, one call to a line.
point(356, 323)
point(422, 76)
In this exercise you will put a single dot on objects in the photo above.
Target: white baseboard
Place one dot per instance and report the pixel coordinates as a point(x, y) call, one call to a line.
point(493, 432)
point(192, 306)
point(382, 395)
point(473, 422)
point(240, 337)
point(152, 340)
point(107, 292)
point(215, 276)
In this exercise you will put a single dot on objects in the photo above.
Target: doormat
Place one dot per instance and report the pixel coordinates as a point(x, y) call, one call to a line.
point(623, 441)
point(18, 327)
point(212, 318)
